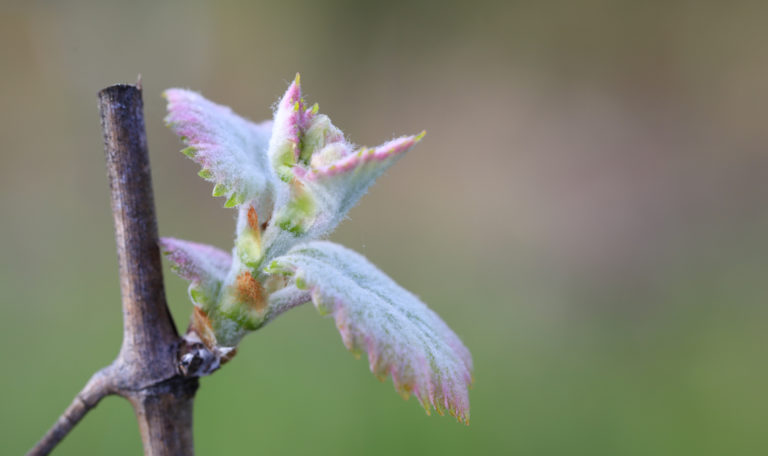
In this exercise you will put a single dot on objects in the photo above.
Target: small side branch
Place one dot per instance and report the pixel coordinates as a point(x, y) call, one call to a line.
point(98, 386)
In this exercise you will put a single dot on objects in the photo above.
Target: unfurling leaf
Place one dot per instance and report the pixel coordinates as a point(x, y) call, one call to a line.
point(293, 180)
point(203, 265)
point(338, 182)
point(326, 174)
point(230, 149)
point(403, 337)
point(289, 123)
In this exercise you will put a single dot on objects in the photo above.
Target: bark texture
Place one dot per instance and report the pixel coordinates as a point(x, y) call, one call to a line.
point(148, 360)
point(148, 330)
point(146, 370)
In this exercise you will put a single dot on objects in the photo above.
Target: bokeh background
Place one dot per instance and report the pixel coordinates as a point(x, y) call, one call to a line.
point(588, 211)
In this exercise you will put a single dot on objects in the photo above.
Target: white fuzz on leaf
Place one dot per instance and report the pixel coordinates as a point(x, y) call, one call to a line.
point(203, 265)
point(230, 149)
point(404, 339)
point(293, 180)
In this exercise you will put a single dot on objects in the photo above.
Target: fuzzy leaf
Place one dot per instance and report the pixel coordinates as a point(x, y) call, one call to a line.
point(402, 336)
point(326, 189)
point(323, 174)
point(338, 183)
point(289, 122)
point(285, 299)
point(231, 150)
point(204, 266)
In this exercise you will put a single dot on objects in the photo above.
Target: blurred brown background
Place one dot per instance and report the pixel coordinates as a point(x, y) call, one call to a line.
point(588, 212)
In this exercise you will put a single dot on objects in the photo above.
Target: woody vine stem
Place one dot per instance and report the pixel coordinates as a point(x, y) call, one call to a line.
point(301, 173)
point(146, 371)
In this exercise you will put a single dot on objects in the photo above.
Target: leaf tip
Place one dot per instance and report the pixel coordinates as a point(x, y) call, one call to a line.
point(235, 199)
point(219, 190)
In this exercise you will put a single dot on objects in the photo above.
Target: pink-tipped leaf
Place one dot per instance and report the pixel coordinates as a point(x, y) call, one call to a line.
point(325, 189)
point(326, 175)
point(204, 266)
point(404, 339)
point(339, 183)
point(231, 150)
point(290, 120)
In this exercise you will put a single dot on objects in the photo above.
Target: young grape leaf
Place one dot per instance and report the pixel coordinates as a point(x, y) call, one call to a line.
point(204, 266)
point(231, 150)
point(402, 336)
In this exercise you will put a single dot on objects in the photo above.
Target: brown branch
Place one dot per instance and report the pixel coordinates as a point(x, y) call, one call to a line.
point(148, 359)
point(148, 330)
point(146, 370)
point(97, 387)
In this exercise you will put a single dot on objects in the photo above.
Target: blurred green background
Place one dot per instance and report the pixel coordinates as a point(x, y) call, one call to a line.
point(588, 212)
